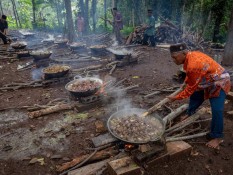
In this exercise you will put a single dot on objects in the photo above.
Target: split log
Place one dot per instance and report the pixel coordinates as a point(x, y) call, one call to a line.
point(158, 105)
point(172, 139)
point(187, 121)
point(103, 154)
point(87, 68)
point(129, 39)
point(49, 110)
point(175, 113)
point(113, 68)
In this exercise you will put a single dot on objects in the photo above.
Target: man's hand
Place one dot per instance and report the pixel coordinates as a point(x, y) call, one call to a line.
point(171, 98)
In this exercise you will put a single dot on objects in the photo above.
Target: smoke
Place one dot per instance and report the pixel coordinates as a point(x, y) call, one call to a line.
point(37, 73)
point(120, 51)
point(115, 42)
point(118, 95)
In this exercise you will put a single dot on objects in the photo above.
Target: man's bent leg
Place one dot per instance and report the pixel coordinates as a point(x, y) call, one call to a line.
point(3, 37)
point(195, 100)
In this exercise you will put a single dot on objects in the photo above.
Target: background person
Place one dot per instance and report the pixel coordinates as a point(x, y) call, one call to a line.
point(3, 29)
point(149, 27)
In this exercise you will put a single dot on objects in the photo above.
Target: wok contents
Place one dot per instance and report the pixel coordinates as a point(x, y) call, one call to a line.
point(136, 129)
point(83, 86)
point(56, 69)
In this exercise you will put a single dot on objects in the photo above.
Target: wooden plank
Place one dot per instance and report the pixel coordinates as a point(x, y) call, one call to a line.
point(103, 140)
point(178, 149)
point(89, 169)
point(123, 166)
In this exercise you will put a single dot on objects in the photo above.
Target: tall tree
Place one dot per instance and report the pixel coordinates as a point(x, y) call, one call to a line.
point(105, 13)
point(228, 52)
point(86, 17)
point(218, 11)
point(33, 13)
point(69, 20)
point(1, 7)
point(93, 10)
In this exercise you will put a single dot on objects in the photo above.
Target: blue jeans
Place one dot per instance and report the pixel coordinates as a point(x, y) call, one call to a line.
point(217, 107)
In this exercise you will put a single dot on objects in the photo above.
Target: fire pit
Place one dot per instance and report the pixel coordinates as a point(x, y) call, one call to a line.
point(55, 71)
point(23, 53)
point(98, 50)
point(18, 45)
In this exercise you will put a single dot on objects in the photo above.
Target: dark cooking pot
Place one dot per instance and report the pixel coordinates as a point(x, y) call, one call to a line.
point(18, 46)
point(87, 93)
point(48, 75)
point(128, 112)
point(39, 56)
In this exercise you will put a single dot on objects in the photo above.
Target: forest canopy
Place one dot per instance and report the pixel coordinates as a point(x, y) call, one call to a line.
point(207, 18)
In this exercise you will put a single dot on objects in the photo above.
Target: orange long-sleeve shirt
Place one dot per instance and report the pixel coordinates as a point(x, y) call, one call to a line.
point(202, 72)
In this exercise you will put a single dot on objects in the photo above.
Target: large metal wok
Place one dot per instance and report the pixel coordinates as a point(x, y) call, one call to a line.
point(139, 112)
point(49, 75)
point(86, 93)
point(39, 55)
point(18, 45)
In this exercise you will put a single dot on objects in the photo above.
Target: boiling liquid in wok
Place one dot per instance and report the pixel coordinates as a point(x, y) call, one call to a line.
point(134, 128)
point(83, 86)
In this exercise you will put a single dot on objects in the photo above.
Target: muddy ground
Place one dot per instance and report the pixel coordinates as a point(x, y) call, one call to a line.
point(59, 137)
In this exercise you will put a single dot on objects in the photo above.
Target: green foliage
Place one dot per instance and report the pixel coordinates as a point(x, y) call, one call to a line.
point(127, 30)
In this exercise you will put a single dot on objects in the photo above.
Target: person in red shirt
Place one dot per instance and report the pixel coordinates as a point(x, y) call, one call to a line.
point(205, 79)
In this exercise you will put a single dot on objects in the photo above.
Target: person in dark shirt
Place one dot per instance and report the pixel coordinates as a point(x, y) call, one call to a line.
point(3, 29)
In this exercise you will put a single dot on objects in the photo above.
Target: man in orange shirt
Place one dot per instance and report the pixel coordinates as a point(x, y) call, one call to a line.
point(205, 79)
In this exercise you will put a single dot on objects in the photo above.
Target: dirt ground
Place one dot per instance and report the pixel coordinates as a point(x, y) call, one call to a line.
point(59, 137)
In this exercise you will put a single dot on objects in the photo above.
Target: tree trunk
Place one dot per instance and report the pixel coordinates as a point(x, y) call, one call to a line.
point(34, 14)
point(105, 13)
point(86, 17)
point(14, 10)
point(69, 20)
point(94, 5)
point(218, 10)
point(58, 11)
point(2, 9)
point(228, 52)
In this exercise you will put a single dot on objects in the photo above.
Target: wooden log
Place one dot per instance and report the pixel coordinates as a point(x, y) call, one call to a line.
point(87, 68)
point(49, 110)
point(103, 154)
point(152, 94)
point(158, 105)
point(187, 121)
point(129, 39)
point(172, 139)
point(175, 113)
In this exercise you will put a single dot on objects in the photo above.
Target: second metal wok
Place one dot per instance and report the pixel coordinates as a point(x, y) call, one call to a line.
point(86, 93)
point(139, 112)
